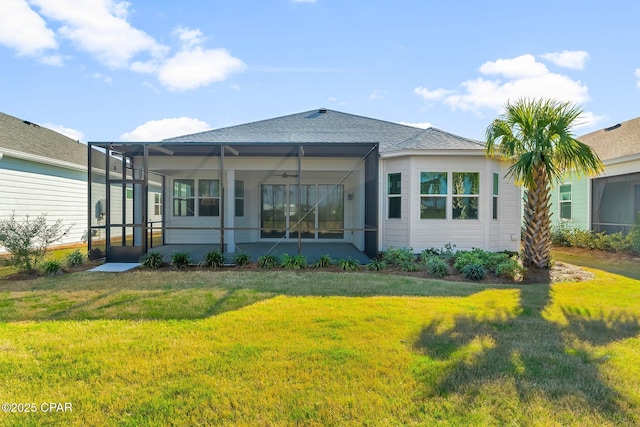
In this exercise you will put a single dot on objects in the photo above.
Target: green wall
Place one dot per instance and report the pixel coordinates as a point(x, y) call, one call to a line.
point(579, 201)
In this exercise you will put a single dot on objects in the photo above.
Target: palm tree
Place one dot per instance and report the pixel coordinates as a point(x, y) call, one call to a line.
point(536, 136)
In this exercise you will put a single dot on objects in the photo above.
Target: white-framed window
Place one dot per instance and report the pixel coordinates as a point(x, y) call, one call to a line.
point(394, 198)
point(157, 204)
point(496, 189)
point(433, 195)
point(239, 196)
point(466, 194)
point(565, 200)
point(183, 197)
point(208, 197)
point(186, 202)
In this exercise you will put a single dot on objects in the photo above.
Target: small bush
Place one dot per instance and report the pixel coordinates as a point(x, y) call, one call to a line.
point(75, 258)
point(511, 269)
point(52, 267)
point(409, 266)
point(268, 261)
point(349, 264)
point(242, 259)
point(377, 265)
point(27, 241)
point(323, 262)
point(95, 254)
point(436, 267)
point(293, 262)
point(213, 259)
point(153, 260)
point(474, 271)
point(463, 258)
point(180, 260)
point(397, 256)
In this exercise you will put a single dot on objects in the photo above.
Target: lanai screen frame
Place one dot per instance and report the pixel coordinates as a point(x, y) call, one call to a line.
point(366, 152)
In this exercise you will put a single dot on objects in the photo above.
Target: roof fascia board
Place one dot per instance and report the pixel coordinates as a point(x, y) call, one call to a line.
point(41, 159)
point(452, 152)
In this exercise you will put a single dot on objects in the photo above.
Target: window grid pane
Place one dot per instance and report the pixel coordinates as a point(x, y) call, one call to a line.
point(433, 183)
point(466, 182)
point(394, 183)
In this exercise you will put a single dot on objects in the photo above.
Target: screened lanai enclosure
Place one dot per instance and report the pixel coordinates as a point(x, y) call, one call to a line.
point(615, 203)
point(198, 196)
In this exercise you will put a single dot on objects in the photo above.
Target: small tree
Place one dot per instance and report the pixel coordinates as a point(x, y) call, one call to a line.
point(27, 241)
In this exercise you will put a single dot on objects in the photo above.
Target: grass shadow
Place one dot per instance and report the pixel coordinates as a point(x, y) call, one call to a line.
point(529, 355)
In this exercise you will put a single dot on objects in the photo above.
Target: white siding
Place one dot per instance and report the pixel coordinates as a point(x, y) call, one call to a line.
point(484, 232)
point(33, 189)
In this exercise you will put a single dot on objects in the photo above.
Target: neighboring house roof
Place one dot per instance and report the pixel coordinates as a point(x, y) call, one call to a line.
point(620, 140)
point(29, 138)
point(329, 126)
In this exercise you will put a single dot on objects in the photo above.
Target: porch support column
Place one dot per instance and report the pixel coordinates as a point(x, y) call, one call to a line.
point(230, 214)
point(300, 152)
point(222, 197)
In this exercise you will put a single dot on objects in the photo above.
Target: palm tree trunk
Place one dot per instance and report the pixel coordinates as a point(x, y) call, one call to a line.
point(537, 218)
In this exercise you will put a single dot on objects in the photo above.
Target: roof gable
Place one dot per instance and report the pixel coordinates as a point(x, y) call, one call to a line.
point(30, 138)
point(620, 140)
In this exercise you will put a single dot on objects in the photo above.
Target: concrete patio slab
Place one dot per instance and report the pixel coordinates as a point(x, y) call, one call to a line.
point(115, 267)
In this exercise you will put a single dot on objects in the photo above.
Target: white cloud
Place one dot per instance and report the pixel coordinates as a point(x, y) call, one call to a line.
point(99, 76)
point(190, 37)
point(99, 27)
point(522, 77)
point(588, 120)
point(431, 94)
point(157, 130)
point(71, 133)
point(423, 125)
point(574, 59)
point(190, 69)
point(637, 74)
point(519, 67)
point(23, 29)
point(53, 60)
point(377, 94)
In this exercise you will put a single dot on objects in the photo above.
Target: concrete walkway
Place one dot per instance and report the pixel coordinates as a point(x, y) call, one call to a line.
point(115, 267)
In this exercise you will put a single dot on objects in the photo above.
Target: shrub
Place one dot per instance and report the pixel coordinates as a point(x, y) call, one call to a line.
point(349, 264)
point(436, 266)
point(267, 261)
point(95, 254)
point(409, 266)
point(153, 260)
point(511, 269)
point(377, 265)
point(397, 256)
point(27, 241)
point(323, 262)
point(463, 258)
point(293, 262)
point(180, 260)
point(474, 271)
point(52, 267)
point(213, 259)
point(242, 259)
point(492, 259)
point(75, 258)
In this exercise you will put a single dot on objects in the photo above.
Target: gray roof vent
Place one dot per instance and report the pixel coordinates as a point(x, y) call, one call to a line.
point(612, 127)
point(322, 111)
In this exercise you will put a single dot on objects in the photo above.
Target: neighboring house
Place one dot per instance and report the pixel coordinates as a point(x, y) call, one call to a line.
point(609, 202)
point(42, 171)
point(319, 176)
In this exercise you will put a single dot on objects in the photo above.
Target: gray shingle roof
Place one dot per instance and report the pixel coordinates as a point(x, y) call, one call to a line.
point(620, 140)
point(29, 138)
point(332, 127)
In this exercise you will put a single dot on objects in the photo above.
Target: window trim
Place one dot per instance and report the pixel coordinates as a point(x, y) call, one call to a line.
point(444, 195)
point(196, 197)
point(495, 198)
point(569, 202)
point(391, 195)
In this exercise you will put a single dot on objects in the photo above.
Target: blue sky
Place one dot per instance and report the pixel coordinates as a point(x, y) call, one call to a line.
point(103, 70)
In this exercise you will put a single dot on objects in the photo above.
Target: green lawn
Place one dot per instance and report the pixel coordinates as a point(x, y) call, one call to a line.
point(319, 348)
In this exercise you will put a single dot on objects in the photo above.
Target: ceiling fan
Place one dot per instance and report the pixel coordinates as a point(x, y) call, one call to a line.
point(288, 175)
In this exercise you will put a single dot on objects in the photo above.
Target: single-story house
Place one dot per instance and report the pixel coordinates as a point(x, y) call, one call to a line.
point(311, 178)
point(42, 171)
point(609, 202)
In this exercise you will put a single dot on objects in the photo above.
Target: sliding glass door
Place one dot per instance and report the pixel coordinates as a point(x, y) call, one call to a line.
point(319, 214)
